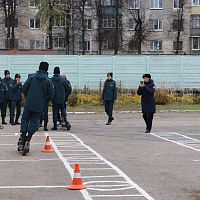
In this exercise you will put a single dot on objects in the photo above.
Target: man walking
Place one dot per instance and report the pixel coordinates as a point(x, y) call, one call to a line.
point(16, 98)
point(7, 103)
point(36, 88)
point(62, 90)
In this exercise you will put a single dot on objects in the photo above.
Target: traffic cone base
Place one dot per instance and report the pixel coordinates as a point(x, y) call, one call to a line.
point(47, 147)
point(77, 183)
point(76, 187)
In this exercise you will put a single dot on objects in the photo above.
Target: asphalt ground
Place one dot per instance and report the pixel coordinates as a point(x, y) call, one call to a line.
point(117, 162)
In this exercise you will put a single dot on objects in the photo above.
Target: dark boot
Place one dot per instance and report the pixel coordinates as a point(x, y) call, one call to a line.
point(21, 142)
point(67, 124)
point(26, 148)
point(45, 126)
point(54, 126)
point(17, 122)
point(109, 122)
point(3, 121)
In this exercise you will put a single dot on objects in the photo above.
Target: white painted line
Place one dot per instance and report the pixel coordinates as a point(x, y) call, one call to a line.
point(87, 163)
point(85, 193)
point(169, 140)
point(73, 150)
point(110, 189)
point(16, 144)
point(30, 160)
point(33, 187)
point(134, 185)
point(85, 169)
point(109, 176)
point(128, 195)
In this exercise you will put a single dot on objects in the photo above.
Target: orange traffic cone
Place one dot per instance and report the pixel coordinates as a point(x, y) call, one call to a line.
point(47, 147)
point(77, 183)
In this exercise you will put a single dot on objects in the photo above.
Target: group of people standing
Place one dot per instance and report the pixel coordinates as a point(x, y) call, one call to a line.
point(38, 90)
point(146, 90)
point(10, 96)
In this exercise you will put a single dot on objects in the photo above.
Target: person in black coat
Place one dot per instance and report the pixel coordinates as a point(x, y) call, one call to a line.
point(109, 95)
point(62, 90)
point(35, 89)
point(16, 99)
point(7, 103)
point(146, 90)
point(3, 93)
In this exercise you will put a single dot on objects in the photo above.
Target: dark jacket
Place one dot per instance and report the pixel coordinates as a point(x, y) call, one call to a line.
point(147, 100)
point(36, 89)
point(109, 90)
point(3, 92)
point(69, 90)
point(8, 83)
point(61, 89)
point(16, 91)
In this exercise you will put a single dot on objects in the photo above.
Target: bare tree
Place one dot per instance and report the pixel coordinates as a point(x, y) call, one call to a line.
point(178, 23)
point(9, 8)
point(141, 21)
point(99, 15)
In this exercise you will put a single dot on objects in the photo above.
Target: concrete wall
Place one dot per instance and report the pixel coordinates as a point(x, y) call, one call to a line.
point(175, 71)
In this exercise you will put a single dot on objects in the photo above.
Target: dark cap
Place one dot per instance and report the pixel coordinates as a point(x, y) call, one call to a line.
point(44, 66)
point(147, 76)
point(110, 74)
point(17, 76)
point(56, 70)
point(6, 72)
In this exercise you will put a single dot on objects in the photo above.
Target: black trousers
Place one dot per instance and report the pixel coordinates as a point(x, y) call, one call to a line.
point(29, 123)
point(6, 103)
point(56, 108)
point(148, 118)
point(44, 115)
point(109, 108)
point(15, 105)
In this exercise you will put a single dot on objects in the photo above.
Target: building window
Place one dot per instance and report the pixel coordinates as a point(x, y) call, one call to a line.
point(156, 45)
point(133, 4)
point(34, 44)
point(8, 44)
point(88, 3)
point(178, 4)
point(180, 46)
point(132, 45)
point(156, 25)
point(34, 3)
point(196, 2)
point(88, 24)
point(34, 23)
point(16, 23)
point(59, 42)
point(131, 24)
point(59, 21)
point(178, 25)
point(195, 21)
point(196, 43)
point(156, 4)
point(105, 44)
point(108, 22)
point(87, 46)
point(108, 2)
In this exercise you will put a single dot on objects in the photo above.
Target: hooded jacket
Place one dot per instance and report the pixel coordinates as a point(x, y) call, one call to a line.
point(62, 89)
point(147, 100)
point(109, 90)
point(36, 90)
point(3, 91)
point(16, 91)
point(8, 83)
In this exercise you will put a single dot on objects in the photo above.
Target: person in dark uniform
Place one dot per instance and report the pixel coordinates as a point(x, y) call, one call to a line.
point(61, 92)
point(16, 99)
point(7, 103)
point(109, 95)
point(3, 93)
point(35, 89)
point(146, 90)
